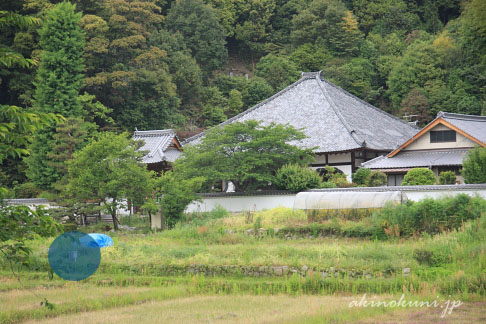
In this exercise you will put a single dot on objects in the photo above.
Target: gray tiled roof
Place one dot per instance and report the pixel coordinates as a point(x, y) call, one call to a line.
point(157, 142)
point(26, 201)
point(333, 119)
point(417, 159)
point(472, 125)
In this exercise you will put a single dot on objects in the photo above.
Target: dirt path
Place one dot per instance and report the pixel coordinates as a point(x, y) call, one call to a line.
point(468, 313)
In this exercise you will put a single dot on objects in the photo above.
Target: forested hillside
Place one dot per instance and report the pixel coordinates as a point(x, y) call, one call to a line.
point(190, 64)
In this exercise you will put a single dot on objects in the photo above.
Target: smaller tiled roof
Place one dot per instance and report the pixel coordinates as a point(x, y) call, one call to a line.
point(26, 201)
point(156, 143)
point(472, 125)
point(414, 159)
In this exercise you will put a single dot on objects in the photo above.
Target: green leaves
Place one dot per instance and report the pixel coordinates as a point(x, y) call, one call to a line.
point(176, 193)
point(203, 34)
point(297, 178)
point(17, 128)
point(245, 153)
point(60, 73)
point(474, 166)
point(109, 170)
point(18, 224)
point(418, 177)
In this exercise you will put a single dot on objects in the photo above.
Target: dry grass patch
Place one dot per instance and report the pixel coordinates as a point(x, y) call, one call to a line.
point(71, 293)
point(213, 309)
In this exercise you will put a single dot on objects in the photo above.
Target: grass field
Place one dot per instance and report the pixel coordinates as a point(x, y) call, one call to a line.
point(137, 282)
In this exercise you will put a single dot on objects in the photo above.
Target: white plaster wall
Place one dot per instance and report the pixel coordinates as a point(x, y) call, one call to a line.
point(423, 142)
point(346, 169)
point(419, 195)
point(242, 203)
point(257, 203)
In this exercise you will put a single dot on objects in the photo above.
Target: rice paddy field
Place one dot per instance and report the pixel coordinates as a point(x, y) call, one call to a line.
point(222, 268)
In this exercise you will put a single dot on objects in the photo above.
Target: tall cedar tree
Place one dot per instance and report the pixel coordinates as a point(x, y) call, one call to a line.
point(59, 80)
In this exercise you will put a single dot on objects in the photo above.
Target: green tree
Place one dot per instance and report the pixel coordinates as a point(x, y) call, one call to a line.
point(71, 135)
point(416, 103)
point(109, 169)
point(245, 153)
point(255, 29)
point(235, 102)
point(419, 177)
point(257, 90)
point(59, 80)
point(420, 64)
point(60, 74)
point(309, 58)
point(278, 71)
point(214, 106)
point(184, 70)
point(176, 194)
point(8, 56)
point(203, 35)
point(19, 223)
point(330, 23)
point(474, 166)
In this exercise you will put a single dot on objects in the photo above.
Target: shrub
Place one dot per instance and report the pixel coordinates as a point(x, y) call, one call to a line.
point(361, 176)
point(427, 257)
point(203, 218)
point(26, 190)
point(447, 177)
point(296, 178)
point(428, 215)
point(474, 166)
point(336, 176)
point(328, 184)
point(419, 176)
point(377, 179)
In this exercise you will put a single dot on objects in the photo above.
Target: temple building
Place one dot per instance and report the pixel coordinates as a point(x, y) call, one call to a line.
point(344, 130)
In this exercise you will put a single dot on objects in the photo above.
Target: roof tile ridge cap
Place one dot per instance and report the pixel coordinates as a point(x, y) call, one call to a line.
point(351, 131)
point(462, 116)
point(364, 102)
point(258, 105)
point(155, 131)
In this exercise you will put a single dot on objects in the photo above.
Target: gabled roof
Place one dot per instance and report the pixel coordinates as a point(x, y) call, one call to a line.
point(472, 127)
point(333, 119)
point(415, 159)
point(475, 126)
point(157, 143)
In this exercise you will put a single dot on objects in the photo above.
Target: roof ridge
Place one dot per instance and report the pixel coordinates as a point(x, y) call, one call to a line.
point(444, 114)
point(350, 130)
point(304, 76)
point(154, 132)
point(363, 102)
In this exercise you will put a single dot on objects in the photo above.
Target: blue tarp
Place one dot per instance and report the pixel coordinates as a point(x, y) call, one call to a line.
point(101, 240)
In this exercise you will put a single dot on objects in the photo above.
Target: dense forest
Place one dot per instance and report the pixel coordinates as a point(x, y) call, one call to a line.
point(191, 64)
